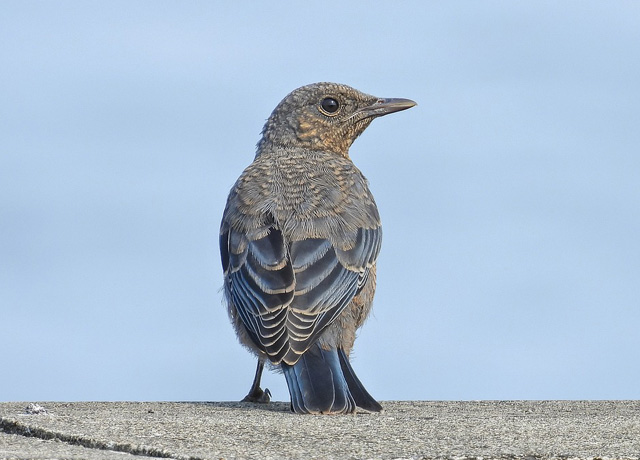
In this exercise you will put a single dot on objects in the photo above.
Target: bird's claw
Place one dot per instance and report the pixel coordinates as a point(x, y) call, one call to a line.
point(258, 396)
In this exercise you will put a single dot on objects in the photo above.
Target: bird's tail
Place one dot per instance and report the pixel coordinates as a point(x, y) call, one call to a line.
point(323, 382)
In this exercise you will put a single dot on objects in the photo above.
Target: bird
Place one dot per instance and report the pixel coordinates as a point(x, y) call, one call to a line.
point(299, 240)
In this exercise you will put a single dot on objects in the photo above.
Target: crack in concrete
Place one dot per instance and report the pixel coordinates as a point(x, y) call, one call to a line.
point(14, 427)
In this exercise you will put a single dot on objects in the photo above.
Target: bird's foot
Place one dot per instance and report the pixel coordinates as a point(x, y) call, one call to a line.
point(258, 396)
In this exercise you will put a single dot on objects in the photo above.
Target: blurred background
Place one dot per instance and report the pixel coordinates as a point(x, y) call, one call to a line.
point(510, 196)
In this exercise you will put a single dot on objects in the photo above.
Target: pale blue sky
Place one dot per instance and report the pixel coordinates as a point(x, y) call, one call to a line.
point(510, 196)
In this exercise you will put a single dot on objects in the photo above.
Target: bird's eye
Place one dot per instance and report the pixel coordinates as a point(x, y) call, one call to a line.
point(329, 105)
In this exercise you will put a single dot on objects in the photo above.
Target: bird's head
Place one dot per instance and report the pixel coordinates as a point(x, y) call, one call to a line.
point(324, 116)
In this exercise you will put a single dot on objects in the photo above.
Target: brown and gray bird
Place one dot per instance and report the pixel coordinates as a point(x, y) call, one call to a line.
point(299, 240)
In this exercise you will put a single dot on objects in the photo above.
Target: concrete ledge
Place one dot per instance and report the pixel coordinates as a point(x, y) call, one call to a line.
point(420, 430)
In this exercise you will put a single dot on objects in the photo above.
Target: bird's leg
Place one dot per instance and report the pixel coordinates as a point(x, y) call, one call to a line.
point(256, 395)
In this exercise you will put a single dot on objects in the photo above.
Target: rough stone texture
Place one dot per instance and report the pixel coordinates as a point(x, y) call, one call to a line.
point(460, 430)
point(14, 446)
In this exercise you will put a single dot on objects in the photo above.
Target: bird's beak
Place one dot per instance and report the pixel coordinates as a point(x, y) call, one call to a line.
point(386, 106)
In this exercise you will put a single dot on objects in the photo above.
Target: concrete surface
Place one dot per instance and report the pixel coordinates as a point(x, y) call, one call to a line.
point(416, 430)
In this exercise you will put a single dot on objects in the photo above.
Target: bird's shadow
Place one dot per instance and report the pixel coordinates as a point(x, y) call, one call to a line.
point(273, 406)
point(282, 407)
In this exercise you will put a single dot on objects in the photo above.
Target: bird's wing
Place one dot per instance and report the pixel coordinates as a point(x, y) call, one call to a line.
point(327, 278)
point(286, 299)
point(259, 282)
